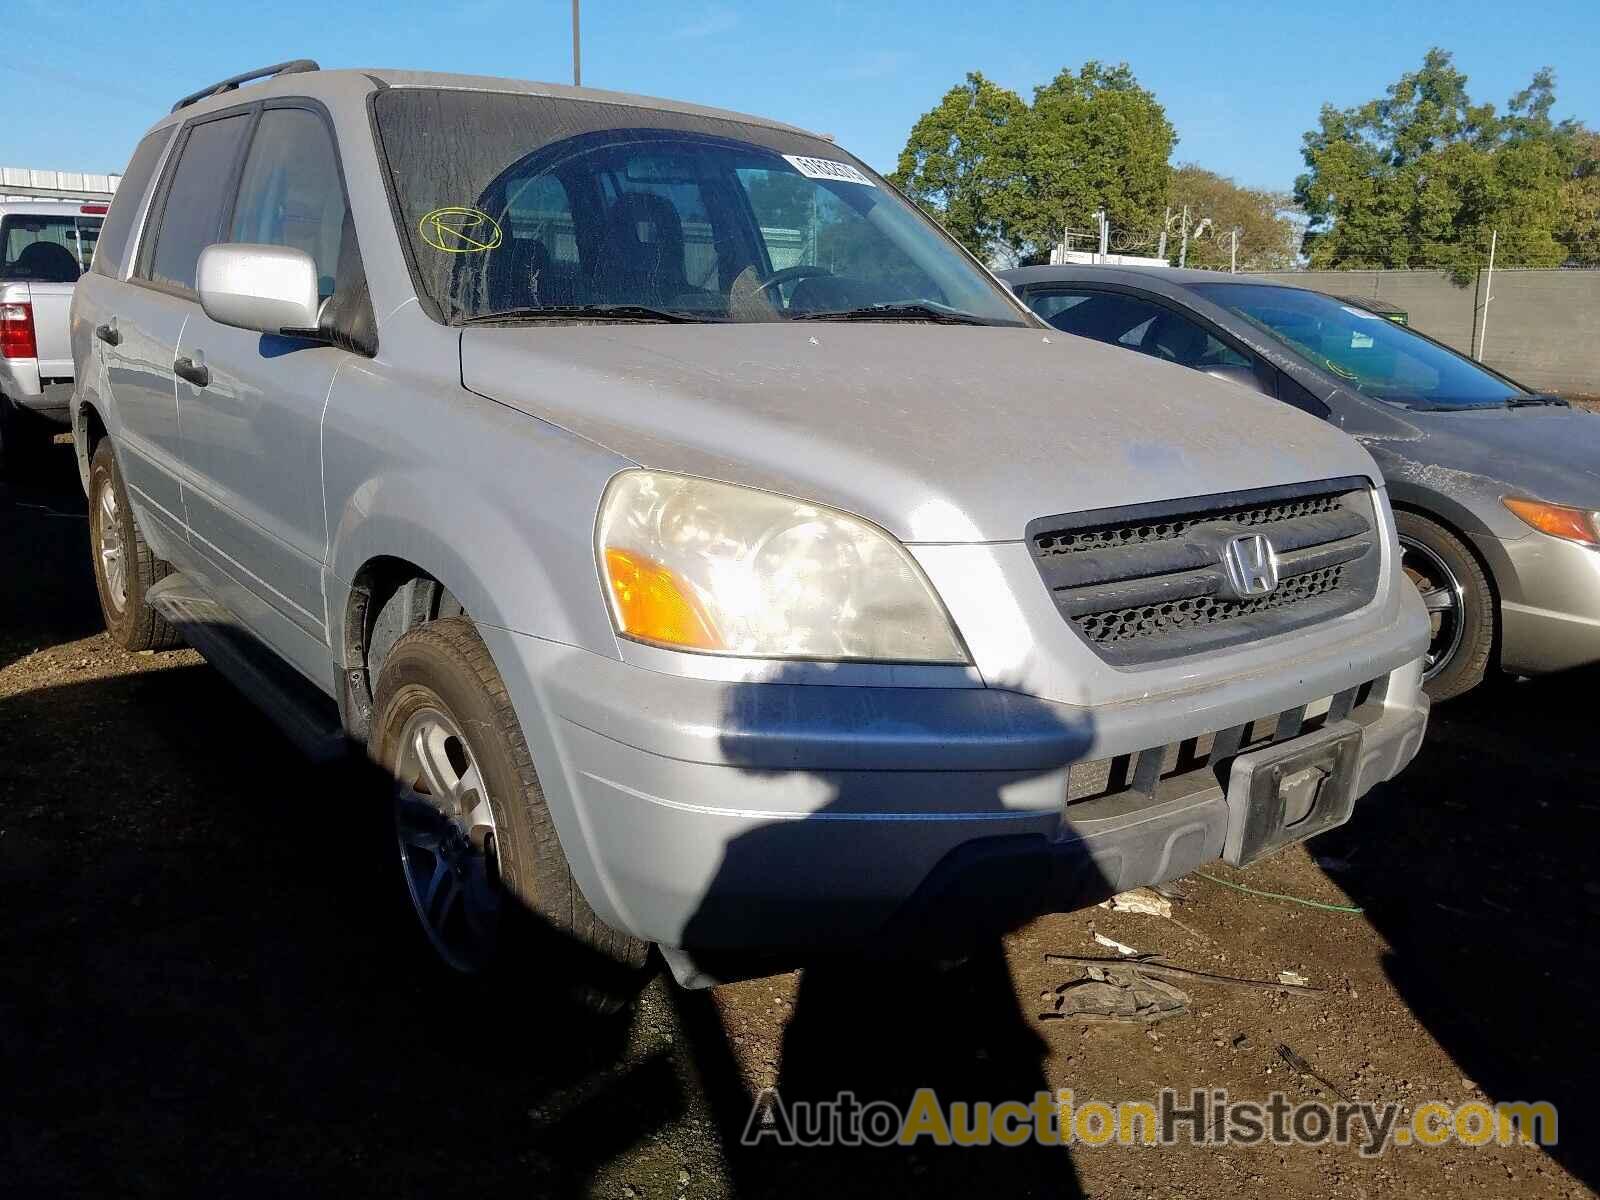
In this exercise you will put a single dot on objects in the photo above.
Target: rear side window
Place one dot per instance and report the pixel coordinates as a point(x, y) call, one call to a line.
point(111, 253)
point(1138, 324)
point(46, 249)
point(290, 193)
point(191, 218)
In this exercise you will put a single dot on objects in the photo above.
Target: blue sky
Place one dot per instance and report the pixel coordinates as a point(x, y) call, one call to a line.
point(1241, 81)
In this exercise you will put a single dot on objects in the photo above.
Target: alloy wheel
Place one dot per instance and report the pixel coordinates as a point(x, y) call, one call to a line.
point(447, 839)
point(1443, 596)
point(113, 558)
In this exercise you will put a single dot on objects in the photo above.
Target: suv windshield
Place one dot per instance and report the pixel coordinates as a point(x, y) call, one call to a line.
point(1373, 355)
point(524, 207)
point(47, 248)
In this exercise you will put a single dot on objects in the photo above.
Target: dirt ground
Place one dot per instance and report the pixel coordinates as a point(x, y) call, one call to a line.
point(208, 985)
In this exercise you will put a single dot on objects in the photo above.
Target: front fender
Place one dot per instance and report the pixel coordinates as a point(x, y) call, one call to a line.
point(498, 506)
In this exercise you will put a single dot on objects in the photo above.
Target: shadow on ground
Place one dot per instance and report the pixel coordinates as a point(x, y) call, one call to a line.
point(46, 583)
point(881, 1024)
point(1478, 868)
point(209, 982)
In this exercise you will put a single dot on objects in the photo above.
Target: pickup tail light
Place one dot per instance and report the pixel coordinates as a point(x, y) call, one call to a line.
point(16, 332)
point(94, 210)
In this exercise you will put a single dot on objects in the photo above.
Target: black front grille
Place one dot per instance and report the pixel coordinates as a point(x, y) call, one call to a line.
point(1141, 532)
point(1148, 582)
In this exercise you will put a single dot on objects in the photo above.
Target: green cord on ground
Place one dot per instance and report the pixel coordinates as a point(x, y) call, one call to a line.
point(1239, 887)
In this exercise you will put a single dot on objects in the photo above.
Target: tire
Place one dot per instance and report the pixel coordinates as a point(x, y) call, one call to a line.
point(440, 685)
point(114, 536)
point(1461, 603)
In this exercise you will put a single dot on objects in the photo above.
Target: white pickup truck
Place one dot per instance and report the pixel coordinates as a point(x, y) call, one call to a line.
point(44, 246)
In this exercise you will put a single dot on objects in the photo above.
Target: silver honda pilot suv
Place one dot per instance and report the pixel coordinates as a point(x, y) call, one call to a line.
point(711, 551)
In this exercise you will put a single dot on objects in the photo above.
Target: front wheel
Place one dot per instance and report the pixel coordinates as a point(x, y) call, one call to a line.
point(1461, 609)
point(479, 856)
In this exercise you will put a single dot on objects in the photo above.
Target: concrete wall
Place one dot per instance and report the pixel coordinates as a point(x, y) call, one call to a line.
point(1543, 326)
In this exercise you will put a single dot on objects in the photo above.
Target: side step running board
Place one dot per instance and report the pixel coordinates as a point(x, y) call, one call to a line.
point(306, 717)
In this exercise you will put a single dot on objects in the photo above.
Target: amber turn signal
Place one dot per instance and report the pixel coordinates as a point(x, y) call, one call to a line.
point(1572, 524)
point(652, 604)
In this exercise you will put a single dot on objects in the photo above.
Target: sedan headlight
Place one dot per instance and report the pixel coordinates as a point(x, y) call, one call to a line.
point(697, 565)
point(1572, 524)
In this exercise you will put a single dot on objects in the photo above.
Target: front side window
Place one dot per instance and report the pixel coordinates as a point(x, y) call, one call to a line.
point(558, 204)
point(191, 218)
point(1136, 323)
point(290, 193)
point(1374, 356)
point(47, 249)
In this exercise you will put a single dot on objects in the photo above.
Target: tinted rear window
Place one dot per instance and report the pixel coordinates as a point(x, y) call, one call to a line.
point(111, 252)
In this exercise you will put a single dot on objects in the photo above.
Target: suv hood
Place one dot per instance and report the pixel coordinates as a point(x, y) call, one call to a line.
point(938, 433)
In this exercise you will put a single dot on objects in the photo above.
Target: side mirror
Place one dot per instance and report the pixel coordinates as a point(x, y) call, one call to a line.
point(1243, 376)
point(270, 289)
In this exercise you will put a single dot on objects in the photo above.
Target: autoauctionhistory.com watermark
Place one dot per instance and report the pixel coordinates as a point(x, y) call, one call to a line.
point(1201, 1117)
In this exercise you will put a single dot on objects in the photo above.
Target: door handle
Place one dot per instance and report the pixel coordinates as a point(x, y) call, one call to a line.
point(108, 334)
point(196, 373)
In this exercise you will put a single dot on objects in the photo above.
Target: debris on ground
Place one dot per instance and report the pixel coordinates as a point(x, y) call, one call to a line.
point(1300, 1065)
point(1116, 993)
point(1140, 900)
point(1155, 964)
point(1154, 902)
point(1293, 978)
point(1113, 944)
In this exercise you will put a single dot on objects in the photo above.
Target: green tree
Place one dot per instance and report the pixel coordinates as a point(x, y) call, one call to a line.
point(1421, 176)
point(1267, 237)
point(1004, 177)
point(1096, 139)
point(963, 164)
point(1579, 227)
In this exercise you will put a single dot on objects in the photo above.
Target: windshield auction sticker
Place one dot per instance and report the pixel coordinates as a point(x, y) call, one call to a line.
point(826, 168)
point(460, 230)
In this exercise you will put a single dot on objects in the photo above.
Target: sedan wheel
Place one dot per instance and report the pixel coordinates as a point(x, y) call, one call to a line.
point(1456, 591)
point(1443, 595)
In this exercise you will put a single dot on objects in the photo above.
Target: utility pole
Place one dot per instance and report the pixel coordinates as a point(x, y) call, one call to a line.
point(1488, 295)
point(1183, 249)
point(1166, 224)
point(1105, 232)
point(1233, 252)
point(577, 62)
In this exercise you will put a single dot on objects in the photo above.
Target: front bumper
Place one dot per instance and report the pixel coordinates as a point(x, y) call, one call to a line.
point(727, 816)
point(1549, 602)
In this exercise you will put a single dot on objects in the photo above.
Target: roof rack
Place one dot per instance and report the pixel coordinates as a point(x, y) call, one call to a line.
point(295, 66)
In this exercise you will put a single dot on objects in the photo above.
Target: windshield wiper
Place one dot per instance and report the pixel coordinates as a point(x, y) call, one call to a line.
point(893, 312)
point(1535, 400)
point(599, 312)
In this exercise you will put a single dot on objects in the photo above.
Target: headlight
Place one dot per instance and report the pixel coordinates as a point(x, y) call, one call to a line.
point(698, 565)
point(1572, 524)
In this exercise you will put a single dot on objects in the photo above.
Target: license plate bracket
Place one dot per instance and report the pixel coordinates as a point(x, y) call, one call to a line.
point(1283, 794)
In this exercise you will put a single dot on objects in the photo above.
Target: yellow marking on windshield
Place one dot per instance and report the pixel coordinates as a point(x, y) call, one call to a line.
point(457, 230)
